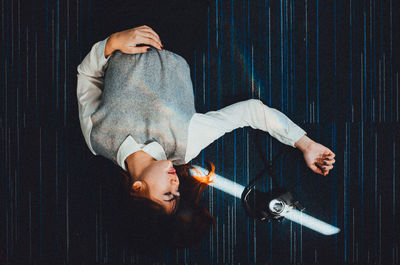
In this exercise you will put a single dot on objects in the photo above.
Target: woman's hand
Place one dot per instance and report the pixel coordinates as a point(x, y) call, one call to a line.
point(127, 40)
point(317, 157)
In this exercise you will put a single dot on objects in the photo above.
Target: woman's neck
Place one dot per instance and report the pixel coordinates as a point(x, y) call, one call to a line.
point(137, 162)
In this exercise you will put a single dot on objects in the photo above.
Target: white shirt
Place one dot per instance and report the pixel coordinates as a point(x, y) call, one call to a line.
point(203, 128)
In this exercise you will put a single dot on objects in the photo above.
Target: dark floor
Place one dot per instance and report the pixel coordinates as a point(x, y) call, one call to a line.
point(332, 68)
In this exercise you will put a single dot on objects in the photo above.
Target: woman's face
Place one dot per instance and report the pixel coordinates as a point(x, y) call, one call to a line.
point(162, 183)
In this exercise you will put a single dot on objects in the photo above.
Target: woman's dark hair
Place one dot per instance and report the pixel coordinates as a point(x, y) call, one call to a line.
point(144, 225)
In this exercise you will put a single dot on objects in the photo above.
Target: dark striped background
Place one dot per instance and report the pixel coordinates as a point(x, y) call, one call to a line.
point(331, 66)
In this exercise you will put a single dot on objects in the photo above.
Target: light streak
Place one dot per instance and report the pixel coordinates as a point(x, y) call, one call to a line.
point(294, 215)
point(306, 220)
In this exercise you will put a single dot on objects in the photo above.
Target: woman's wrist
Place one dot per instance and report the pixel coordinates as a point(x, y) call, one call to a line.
point(303, 143)
point(110, 45)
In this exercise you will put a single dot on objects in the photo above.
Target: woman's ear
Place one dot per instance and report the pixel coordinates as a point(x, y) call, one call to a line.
point(137, 186)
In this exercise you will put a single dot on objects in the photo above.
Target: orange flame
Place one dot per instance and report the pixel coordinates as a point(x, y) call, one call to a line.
point(205, 179)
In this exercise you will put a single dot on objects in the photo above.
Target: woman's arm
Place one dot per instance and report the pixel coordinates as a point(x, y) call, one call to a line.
point(253, 113)
point(91, 71)
point(206, 128)
point(90, 83)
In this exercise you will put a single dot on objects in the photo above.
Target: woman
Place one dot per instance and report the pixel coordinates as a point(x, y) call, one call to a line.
point(139, 113)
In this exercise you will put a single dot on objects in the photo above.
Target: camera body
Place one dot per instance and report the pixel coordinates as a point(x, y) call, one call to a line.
point(267, 206)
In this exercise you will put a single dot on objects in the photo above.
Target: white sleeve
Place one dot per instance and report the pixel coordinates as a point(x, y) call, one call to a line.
point(206, 128)
point(90, 79)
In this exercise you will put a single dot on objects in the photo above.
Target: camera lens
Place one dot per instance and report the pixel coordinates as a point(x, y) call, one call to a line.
point(276, 206)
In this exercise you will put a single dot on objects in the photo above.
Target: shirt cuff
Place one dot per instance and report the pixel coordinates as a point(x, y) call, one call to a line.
point(100, 51)
point(295, 133)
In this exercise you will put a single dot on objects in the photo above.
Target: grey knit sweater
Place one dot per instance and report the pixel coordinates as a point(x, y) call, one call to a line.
point(148, 96)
